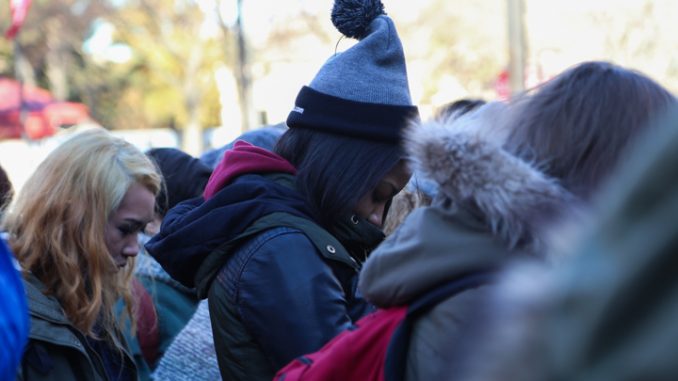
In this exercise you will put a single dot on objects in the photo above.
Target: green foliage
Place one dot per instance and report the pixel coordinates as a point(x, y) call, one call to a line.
point(175, 62)
point(167, 79)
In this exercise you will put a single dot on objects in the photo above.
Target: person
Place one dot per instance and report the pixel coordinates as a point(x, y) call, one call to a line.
point(184, 176)
point(13, 321)
point(73, 229)
point(264, 137)
point(403, 204)
point(6, 190)
point(607, 312)
point(420, 191)
point(191, 355)
point(506, 179)
point(277, 242)
point(14, 315)
point(164, 305)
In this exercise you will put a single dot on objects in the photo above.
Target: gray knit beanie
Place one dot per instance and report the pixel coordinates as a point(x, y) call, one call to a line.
point(362, 92)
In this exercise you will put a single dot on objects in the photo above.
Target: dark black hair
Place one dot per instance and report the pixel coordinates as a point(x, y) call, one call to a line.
point(334, 171)
point(577, 125)
point(6, 189)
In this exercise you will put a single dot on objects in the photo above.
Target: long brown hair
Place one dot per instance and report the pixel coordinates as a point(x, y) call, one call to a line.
point(577, 125)
point(56, 226)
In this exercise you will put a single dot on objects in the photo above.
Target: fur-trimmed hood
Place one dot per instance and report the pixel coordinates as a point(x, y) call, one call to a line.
point(466, 156)
point(490, 206)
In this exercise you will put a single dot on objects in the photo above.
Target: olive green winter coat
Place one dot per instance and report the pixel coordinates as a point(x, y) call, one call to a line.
point(56, 349)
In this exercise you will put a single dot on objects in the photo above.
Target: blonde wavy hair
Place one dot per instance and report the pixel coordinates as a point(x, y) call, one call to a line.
point(56, 225)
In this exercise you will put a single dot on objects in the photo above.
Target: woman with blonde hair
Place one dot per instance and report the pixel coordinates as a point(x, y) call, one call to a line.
point(74, 230)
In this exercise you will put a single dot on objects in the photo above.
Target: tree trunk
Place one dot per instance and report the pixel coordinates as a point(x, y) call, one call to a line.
point(193, 141)
point(56, 60)
point(23, 70)
point(242, 72)
point(517, 45)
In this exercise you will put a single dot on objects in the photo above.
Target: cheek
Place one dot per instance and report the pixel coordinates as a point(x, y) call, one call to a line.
point(364, 206)
point(111, 239)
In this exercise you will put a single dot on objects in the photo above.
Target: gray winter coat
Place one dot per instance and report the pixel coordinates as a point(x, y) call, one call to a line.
point(488, 211)
point(609, 311)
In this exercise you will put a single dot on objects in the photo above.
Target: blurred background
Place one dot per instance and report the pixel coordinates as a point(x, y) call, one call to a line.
point(195, 74)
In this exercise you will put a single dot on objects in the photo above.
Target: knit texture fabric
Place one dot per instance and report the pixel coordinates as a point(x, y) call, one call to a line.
point(371, 71)
point(362, 92)
point(191, 356)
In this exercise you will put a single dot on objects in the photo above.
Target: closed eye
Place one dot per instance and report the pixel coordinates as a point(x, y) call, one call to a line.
point(131, 227)
point(383, 192)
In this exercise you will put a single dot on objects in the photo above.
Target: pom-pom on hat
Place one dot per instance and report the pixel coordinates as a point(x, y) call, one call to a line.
point(362, 92)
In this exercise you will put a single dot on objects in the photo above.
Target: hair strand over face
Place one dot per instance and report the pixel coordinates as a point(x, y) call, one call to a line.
point(334, 172)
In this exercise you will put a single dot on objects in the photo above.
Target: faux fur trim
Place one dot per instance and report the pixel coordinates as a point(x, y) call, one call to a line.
point(465, 156)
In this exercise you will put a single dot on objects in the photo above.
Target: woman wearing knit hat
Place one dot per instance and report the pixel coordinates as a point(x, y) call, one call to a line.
point(278, 240)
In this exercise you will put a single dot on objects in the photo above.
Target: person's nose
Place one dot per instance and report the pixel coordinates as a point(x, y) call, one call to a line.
point(377, 216)
point(131, 248)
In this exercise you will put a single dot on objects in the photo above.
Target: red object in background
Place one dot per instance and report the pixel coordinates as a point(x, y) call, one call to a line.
point(43, 114)
point(18, 10)
point(502, 86)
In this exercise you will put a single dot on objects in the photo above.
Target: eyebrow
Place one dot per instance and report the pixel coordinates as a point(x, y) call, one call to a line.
point(135, 222)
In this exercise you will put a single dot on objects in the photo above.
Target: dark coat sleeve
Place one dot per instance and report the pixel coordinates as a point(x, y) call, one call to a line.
point(289, 298)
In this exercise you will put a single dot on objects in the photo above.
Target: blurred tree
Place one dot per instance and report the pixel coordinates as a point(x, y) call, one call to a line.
point(52, 55)
point(465, 42)
point(454, 48)
point(51, 42)
point(175, 53)
point(167, 81)
point(638, 39)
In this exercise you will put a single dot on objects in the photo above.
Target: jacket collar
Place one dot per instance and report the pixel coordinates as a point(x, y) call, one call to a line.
point(358, 236)
point(195, 228)
point(43, 306)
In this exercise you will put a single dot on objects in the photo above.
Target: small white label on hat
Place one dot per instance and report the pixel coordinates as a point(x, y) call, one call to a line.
point(298, 109)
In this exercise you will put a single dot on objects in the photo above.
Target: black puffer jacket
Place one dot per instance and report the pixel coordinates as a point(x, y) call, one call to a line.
point(279, 285)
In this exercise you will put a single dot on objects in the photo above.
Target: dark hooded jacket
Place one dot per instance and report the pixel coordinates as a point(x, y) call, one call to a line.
point(279, 285)
point(489, 209)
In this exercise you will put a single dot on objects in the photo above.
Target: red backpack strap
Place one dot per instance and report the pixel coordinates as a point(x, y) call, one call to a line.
point(146, 318)
point(396, 354)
